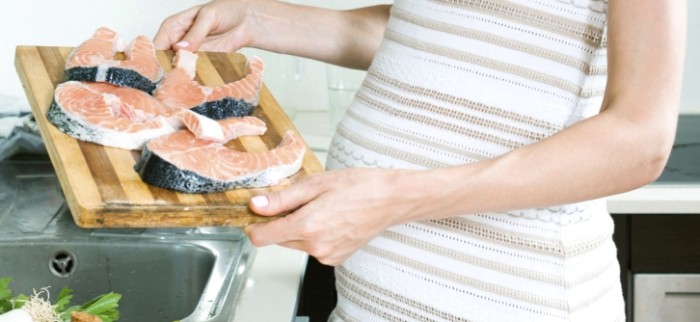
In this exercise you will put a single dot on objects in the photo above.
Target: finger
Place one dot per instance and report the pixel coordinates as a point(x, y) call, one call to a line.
point(331, 257)
point(273, 232)
point(172, 30)
point(203, 24)
point(280, 201)
point(167, 37)
point(296, 245)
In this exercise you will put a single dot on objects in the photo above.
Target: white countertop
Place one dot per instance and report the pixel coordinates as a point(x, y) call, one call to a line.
point(657, 199)
point(272, 289)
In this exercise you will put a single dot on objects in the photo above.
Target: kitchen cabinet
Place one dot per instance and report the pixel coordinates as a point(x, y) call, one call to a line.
point(317, 295)
point(656, 254)
point(666, 297)
point(665, 244)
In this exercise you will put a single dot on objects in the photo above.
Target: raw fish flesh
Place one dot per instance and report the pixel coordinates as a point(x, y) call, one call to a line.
point(183, 163)
point(94, 61)
point(180, 125)
point(179, 89)
point(121, 117)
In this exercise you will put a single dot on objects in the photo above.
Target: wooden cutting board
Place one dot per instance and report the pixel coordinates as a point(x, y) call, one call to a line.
point(100, 185)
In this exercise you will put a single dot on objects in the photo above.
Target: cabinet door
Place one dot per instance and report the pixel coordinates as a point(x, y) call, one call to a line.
point(666, 297)
point(665, 244)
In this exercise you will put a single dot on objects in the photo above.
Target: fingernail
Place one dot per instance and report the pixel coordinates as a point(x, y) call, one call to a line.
point(182, 44)
point(259, 201)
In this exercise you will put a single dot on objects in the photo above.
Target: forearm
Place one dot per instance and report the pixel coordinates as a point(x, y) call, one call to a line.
point(610, 155)
point(347, 38)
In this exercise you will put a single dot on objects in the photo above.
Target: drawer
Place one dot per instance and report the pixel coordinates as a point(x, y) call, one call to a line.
point(666, 297)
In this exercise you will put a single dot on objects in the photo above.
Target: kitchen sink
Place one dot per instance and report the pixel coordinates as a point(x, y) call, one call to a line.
point(186, 274)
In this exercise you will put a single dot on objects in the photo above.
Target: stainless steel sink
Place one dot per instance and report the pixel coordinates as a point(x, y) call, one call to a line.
point(192, 275)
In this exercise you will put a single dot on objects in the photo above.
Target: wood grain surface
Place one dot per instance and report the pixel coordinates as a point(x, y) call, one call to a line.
point(100, 185)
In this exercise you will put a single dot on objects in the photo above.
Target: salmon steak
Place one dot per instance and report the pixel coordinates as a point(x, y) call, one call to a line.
point(121, 117)
point(94, 61)
point(179, 89)
point(183, 163)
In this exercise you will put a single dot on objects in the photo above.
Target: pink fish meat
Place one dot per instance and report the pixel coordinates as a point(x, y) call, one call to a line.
point(183, 163)
point(120, 117)
point(179, 89)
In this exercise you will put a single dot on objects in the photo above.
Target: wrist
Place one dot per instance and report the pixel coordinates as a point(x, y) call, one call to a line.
point(420, 194)
point(441, 193)
point(256, 14)
point(277, 26)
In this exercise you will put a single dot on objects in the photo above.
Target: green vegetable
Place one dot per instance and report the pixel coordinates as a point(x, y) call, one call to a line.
point(63, 299)
point(7, 299)
point(5, 295)
point(103, 306)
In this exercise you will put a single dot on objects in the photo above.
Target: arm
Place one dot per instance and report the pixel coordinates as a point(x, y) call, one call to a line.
point(624, 147)
point(347, 38)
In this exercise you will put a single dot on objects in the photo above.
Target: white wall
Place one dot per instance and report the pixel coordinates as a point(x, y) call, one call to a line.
point(296, 83)
point(299, 84)
point(69, 22)
point(690, 99)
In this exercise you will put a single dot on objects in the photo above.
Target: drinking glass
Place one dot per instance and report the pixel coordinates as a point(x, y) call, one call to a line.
point(343, 84)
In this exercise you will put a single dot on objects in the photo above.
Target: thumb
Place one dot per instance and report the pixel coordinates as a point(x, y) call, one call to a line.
point(272, 204)
point(282, 201)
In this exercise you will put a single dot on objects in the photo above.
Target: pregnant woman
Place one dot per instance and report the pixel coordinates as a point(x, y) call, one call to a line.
point(466, 180)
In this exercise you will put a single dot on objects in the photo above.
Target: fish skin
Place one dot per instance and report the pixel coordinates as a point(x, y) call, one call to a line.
point(114, 75)
point(160, 173)
point(77, 127)
point(178, 89)
point(67, 124)
point(155, 170)
point(225, 108)
point(93, 61)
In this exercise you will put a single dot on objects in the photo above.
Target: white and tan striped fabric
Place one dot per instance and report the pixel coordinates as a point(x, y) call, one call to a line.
point(458, 81)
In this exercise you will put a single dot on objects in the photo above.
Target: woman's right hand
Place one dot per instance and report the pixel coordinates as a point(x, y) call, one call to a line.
point(220, 25)
point(317, 33)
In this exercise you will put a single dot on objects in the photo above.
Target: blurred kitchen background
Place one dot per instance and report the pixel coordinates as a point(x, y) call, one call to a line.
point(656, 227)
point(300, 85)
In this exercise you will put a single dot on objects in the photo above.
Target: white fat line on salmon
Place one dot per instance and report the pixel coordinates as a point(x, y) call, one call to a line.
point(101, 75)
point(186, 60)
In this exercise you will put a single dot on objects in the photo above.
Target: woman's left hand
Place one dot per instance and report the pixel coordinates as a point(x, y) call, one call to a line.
point(331, 214)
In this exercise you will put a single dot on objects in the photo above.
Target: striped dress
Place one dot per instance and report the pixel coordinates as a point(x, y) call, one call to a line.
point(459, 81)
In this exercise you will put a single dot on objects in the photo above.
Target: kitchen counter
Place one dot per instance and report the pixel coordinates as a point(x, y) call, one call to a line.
point(272, 289)
point(658, 199)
